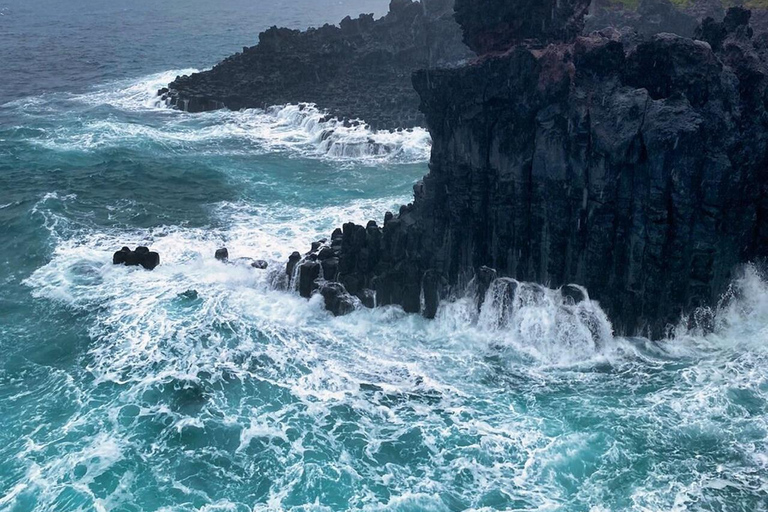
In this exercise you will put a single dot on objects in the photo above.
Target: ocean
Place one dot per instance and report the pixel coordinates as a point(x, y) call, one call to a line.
point(200, 387)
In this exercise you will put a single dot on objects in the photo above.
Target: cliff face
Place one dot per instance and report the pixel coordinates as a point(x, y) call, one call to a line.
point(638, 173)
point(641, 176)
point(360, 69)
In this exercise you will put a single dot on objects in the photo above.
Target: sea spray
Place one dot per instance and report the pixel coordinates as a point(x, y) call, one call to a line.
point(303, 130)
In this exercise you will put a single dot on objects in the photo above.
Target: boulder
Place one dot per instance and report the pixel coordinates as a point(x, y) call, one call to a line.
point(222, 254)
point(337, 300)
point(260, 264)
point(309, 272)
point(121, 256)
point(573, 294)
point(141, 256)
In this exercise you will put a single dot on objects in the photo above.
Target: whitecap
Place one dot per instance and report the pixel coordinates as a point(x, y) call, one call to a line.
point(300, 129)
point(132, 95)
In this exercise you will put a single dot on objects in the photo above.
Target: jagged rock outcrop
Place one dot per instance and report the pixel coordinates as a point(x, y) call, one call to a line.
point(360, 69)
point(639, 172)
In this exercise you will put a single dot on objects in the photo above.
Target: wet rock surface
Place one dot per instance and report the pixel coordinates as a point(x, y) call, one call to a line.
point(360, 69)
point(142, 256)
point(223, 256)
point(637, 171)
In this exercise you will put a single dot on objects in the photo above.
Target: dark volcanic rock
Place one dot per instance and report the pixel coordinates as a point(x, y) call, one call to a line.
point(293, 260)
point(432, 287)
point(260, 264)
point(651, 17)
point(642, 177)
point(309, 273)
point(496, 25)
point(222, 254)
point(360, 69)
point(337, 300)
point(142, 256)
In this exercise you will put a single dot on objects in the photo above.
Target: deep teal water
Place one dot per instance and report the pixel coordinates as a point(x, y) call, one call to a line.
point(198, 387)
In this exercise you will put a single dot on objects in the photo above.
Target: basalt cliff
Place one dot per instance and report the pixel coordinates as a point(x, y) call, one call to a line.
point(637, 169)
point(360, 69)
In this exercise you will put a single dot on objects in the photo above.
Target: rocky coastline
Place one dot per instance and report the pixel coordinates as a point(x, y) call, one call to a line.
point(358, 70)
point(633, 167)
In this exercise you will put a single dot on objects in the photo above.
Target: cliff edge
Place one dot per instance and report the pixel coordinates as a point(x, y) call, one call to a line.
point(638, 172)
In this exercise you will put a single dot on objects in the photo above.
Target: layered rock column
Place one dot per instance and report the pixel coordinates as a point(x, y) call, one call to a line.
point(638, 172)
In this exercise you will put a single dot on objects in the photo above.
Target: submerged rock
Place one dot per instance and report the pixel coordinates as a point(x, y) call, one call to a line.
point(260, 264)
point(142, 256)
point(223, 256)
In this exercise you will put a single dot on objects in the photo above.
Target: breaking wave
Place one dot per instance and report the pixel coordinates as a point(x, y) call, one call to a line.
point(109, 120)
point(199, 387)
point(503, 408)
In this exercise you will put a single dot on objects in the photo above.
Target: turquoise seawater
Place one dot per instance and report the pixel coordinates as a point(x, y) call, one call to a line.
point(199, 387)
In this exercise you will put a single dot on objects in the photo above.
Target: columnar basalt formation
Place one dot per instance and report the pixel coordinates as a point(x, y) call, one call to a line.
point(360, 69)
point(640, 173)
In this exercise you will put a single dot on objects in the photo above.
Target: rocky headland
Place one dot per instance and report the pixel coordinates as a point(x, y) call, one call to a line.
point(634, 167)
point(360, 69)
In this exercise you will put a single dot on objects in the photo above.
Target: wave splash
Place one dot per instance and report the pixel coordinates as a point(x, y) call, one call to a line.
point(109, 119)
point(529, 400)
point(337, 139)
point(200, 384)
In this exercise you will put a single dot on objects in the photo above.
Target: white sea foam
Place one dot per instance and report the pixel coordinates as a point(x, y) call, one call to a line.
point(146, 335)
point(303, 129)
point(132, 95)
point(530, 403)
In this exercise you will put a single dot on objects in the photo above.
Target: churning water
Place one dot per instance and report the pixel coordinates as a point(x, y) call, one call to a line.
point(198, 387)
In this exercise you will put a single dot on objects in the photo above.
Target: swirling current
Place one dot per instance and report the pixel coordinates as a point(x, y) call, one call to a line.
point(199, 387)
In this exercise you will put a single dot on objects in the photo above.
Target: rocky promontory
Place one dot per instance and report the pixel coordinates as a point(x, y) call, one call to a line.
point(637, 170)
point(360, 69)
